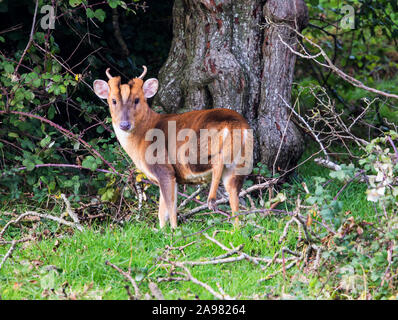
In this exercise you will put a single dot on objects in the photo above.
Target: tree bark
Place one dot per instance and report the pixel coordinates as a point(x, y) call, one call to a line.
point(221, 56)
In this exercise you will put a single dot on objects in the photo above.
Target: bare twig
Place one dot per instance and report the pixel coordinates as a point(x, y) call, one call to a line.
point(242, 194)
point(128, 276)
point(193, 195)
point(9, 253)
point(30, 38)
point(72, 213)
point(329, 64)
point(308, 126)
point(191, 278)
point(327, 164)
point(40, 215)
point(155, 291)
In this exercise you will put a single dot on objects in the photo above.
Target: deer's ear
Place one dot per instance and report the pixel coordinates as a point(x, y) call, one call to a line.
point(101, 89)
point(150, 87)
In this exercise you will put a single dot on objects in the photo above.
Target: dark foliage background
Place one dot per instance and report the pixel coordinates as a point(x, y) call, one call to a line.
point(51, 86)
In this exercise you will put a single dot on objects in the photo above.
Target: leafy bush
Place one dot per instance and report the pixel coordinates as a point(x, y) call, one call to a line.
point(55, 135)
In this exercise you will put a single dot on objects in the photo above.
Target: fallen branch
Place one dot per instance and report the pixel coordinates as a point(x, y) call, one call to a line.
point(8, 254)
point(193, 195)
point(242, 194)
point(128, 276)
point(40, 215)
point(155, 291)
point(72, 213)
point(190, 277)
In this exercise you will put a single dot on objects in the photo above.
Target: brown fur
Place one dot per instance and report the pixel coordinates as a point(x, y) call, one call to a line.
point(167, 175)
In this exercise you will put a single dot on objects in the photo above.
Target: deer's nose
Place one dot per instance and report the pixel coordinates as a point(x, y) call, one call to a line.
point(125, 125)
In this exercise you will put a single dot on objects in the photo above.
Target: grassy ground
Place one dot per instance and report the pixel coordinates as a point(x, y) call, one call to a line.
point(73, 265)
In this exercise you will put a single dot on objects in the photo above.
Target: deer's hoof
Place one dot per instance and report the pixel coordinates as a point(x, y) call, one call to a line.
point(211, 203)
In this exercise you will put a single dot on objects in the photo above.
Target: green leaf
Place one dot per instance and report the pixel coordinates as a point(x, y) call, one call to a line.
point(51, 112)
point(57, 78)
point(75, 3)
point(13, 135)
point(100, 14)
point(90, 13)
point(8, 67)
point(90, 163)
point(36, 83)
point(44, 142)
point(113, 3)
point(28, 164)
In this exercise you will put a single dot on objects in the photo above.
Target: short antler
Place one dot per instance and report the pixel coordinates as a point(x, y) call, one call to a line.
point(108, 74)
point(143, 74)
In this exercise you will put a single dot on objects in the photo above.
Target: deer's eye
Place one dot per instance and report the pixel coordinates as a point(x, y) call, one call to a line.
point(114, 101)
point(136, 101)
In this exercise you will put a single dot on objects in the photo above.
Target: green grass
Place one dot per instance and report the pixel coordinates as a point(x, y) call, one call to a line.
point(79, 257)
point(80, 260)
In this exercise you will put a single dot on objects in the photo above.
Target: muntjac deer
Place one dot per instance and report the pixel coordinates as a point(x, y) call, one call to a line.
point(174, 148)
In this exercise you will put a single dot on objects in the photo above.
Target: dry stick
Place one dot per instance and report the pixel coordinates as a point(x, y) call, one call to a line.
point(72, 213)
point(181, 248)
point(330, 64)
point(289, 266)
point(16, 241)
point(155, 291)
point(8, 254)
point(30, 38)
point(216, 242)
point(169, 279)
point(348, 182)
point(308, 127)
point(229, 253)
point(280, 145)
point(284, 233)
point(13, 28)
point(193, 195)
point(394, 147)
point(243, 193)
point(131, 297)
point(327, 164)
point(222, 259)
point(318, 257)
point(128, 277)
point(66, 68)
point(216, 261)
point(202, 284)
point(40, 215)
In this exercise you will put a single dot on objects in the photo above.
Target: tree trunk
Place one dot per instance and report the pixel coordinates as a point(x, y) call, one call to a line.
point(222, 57)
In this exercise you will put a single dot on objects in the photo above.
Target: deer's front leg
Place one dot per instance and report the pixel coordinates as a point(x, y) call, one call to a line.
point(162, 211)
point(168, 204)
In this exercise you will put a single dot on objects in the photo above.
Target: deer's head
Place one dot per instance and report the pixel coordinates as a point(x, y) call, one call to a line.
point(127, 102)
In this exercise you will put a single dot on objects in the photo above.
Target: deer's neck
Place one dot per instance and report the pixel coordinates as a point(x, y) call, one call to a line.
point(133, 141)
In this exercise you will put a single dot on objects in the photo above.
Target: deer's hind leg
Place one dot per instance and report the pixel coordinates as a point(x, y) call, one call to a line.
point(233, 184)
point(217, 171)
point(163, 214)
